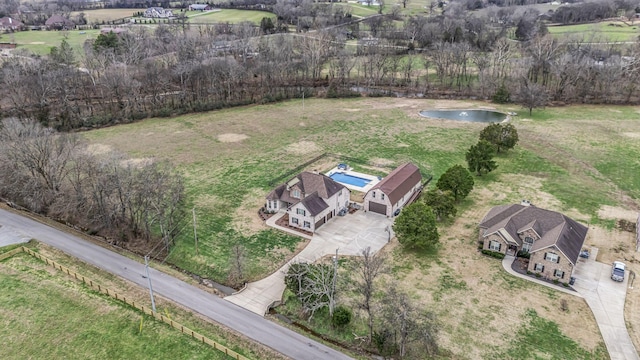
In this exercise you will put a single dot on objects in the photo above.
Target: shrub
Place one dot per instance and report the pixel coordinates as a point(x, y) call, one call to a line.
point(341, 317)
point(524, 254)
point(529, 272)
point(538, 275)
point(556, 281)
point(495, 254)
point(501, 96)
point(565, 284)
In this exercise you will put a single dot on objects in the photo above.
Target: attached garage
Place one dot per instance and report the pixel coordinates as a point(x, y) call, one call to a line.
point(378, 208)
point(319, 223)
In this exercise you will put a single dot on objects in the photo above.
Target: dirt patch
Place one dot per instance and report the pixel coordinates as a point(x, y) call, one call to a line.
point(633, 135)
point(245, 218)
point(231, 137)
point(37, 43)
point(351, 110)
point(615, 213)
point(303, 147)
point(136, 163)
point(99, 149)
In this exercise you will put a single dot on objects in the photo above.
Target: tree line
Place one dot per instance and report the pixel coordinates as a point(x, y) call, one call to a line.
point(174, 69)
point(133, 203)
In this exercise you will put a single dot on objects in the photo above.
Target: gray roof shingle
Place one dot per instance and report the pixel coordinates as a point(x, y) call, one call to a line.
point(554, 228)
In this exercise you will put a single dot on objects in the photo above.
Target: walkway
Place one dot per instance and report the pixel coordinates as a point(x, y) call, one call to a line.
point(604, 296)
point(349, 234)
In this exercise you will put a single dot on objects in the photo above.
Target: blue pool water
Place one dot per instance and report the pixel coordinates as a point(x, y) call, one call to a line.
point(349, 179)
point(485, 116)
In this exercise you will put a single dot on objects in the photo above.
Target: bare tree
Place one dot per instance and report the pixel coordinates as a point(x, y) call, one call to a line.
point(237, 261)
point(366, 269)
point(314, 286)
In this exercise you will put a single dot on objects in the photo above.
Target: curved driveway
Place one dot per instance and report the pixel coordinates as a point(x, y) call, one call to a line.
point(232, 316)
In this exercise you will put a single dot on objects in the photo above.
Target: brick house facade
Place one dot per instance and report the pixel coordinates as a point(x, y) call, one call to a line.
point(552, 239)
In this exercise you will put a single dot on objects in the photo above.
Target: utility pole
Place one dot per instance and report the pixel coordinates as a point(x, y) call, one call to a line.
point(195, 234)
point(333, 283)
point(146, 268)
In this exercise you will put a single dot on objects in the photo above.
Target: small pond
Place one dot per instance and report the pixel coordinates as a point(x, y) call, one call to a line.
point(485, 116)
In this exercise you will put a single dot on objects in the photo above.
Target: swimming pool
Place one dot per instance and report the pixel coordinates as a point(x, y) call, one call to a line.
point(486, 116)
point(349, 179)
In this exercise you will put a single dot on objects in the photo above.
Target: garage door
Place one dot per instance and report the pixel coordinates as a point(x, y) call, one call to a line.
point(319, 223)
point(378, 208)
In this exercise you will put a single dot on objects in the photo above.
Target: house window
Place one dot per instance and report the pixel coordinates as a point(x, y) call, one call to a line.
point(538, 268)
point(558, 274)
point(307, 224)
point(382, 196)
point(528, 243)
point(301, 212)
point(373, 194)
point(552, 257)
point(296, 194)
point(494, 245)
point(294, 220)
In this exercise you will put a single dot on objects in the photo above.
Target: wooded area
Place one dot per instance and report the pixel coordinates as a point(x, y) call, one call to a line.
point(454, 53)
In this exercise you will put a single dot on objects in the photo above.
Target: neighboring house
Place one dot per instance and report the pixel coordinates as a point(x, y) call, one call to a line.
point(157, 12)
point(9, 24)
point(399, 188)
point(199, 7)
point(57, 22)
point(552, 239)
point(310, 199)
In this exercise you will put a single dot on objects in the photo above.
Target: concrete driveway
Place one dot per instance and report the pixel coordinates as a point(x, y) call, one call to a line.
point(606, 298)
point(349, 234)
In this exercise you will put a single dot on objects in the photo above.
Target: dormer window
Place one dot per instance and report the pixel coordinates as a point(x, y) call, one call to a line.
point(296, 193)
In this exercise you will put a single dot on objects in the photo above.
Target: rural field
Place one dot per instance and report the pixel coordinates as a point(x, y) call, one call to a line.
point(41, 42)
point(229, 15)
point(99, 15)
point(581, 160)
point(46, 314)
point(614, 31)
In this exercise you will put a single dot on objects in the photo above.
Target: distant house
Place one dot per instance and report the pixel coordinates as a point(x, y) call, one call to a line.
point(396, 190)
point(552, 239)
point(199, 7)
point(10, 24)
point(57, 22)
point(157, 12)
point(310, 200)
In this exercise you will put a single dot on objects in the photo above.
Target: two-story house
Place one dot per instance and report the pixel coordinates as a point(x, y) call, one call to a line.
point(310, 199)
point(552, 239)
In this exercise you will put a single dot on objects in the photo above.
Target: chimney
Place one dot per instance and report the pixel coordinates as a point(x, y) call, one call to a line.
point(525, 202)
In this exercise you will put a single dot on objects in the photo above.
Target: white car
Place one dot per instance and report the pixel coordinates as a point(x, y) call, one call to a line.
point(617, 271)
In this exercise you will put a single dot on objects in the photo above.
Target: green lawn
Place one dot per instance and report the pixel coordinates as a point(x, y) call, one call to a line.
point(227, 181)
point(99, 15)
point(41, 42)
point(46, 315)
point(229, 15)
point(598, 32)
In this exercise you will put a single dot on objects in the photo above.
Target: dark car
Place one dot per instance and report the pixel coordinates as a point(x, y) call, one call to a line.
point(584, 254)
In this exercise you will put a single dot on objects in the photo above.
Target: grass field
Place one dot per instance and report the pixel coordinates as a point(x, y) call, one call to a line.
point(615, 31)
point(47, 316)
point(100, 15)
point(581, 160)
point(229, 15)
point(41, 42)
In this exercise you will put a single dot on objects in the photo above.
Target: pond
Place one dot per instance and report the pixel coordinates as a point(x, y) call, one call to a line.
point(485, 116)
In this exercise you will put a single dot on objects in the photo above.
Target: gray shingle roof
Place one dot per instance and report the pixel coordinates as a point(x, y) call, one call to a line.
point(309, 183)
point(553, 227)
point(314, 204)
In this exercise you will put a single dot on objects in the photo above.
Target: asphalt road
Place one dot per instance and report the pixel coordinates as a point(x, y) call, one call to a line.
point(243, 321)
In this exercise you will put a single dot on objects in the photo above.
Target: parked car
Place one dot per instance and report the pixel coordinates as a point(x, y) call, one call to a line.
point(617, 271)
point(584, 254)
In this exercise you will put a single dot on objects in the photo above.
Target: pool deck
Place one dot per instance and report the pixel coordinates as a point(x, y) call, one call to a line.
point(373, 179)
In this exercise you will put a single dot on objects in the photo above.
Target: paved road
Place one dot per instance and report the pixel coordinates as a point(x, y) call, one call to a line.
point(349, 234)
point(251, 325)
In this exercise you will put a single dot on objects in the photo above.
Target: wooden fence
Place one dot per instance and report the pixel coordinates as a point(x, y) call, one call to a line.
point(145, 309)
